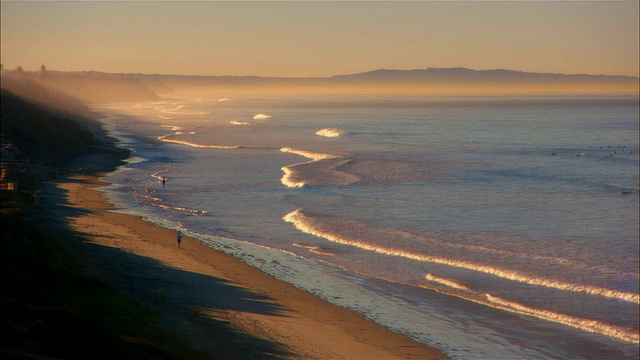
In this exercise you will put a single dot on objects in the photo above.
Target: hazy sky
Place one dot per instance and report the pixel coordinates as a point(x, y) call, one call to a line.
point(320, 38)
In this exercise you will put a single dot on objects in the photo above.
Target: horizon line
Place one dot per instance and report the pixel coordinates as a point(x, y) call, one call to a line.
point(323, 77)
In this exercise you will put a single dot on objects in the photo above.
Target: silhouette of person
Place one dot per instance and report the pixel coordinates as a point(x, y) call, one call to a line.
point(163, 181)
point(179, 238)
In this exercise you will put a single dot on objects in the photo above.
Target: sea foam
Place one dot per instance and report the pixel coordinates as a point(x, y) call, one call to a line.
point(165, 138)
point(239, 123)
point(314, 156)
point(307, 225)
point(330, 132)
point(289, 178)
point(261, 117)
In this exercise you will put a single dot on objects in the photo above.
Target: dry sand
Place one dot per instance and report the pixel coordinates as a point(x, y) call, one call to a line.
point(219, 304)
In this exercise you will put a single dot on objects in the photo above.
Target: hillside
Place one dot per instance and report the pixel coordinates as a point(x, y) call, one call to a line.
point(436, 81)
point(40, 135)
point(86, 87)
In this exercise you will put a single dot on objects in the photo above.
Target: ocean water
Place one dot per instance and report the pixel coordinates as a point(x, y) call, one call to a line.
point(490, 228)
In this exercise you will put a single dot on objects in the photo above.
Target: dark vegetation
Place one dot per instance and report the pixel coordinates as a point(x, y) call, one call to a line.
point(51, 304)
point(42, 136)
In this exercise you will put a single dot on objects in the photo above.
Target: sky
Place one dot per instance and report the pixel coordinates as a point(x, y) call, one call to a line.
point(320, 38)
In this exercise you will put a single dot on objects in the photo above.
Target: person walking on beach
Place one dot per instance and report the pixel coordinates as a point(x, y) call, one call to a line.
point(179, 238)
point(164, 180)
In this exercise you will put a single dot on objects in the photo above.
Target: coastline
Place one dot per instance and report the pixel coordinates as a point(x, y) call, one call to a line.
point(220, 305)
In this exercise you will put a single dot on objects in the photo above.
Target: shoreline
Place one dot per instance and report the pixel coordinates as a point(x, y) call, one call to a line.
point(221, 305)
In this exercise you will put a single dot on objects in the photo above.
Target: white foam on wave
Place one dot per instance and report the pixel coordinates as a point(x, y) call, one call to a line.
point(173, 127)
point(448, 282)
point(590, 325)
point(593, 326)
point(224, 100)
point(239, 123)
point(330, 132)
point(510, 254)
point(165, 138)
point(306, 225)
point(180, 209)
point(261, 117)
point(178, 110)
point(314, 156)
point(288, 177)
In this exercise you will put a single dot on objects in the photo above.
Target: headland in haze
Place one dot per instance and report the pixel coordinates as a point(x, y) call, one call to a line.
point(99, 87)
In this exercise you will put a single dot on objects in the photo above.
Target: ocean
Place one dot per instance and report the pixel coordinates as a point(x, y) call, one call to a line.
point(490, 228)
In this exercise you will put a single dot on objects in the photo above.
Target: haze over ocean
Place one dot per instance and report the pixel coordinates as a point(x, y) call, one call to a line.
point(486, 227)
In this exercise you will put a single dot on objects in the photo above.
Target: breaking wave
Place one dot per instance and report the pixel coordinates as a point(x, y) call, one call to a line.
point(165, 138)
point(239, 123)
point(261, 117)
point(179, 209)
point(448, 282)
point(314, 156)
point(290, 177)
point(307, 225)
point(173, 127)
point(330, 132)
point(593, 326)
point(178, 110)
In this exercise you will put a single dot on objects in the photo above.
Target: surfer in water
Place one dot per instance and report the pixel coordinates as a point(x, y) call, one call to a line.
point(164, 180)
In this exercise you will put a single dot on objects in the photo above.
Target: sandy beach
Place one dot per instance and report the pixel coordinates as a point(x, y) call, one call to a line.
point(220, 306)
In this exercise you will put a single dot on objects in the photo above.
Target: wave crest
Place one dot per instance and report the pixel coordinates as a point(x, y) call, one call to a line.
point(261, 117)
point(309, 225)
point(330, 132)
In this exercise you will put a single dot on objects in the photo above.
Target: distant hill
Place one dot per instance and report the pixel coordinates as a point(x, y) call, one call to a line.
point(98, 87)
point(469, 75)
point(427, 81)
point(88, 87)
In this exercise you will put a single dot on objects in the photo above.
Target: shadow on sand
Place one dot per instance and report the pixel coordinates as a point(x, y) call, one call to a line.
point(193, 306)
